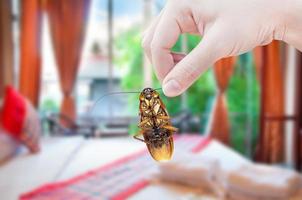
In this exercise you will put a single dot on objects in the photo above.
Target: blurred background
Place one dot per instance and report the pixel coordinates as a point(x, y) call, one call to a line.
point(61, 57)
point(112, 60)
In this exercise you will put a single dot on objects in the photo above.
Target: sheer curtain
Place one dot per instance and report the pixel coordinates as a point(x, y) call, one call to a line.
point(30, 54)
point(68, 21)
point(219, 123)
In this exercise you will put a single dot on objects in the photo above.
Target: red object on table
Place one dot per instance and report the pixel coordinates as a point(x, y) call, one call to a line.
point(13, 112)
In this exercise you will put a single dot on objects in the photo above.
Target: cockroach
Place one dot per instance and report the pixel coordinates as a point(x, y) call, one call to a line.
point(155, 125)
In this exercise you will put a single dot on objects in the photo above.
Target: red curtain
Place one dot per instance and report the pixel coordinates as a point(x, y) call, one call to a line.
point(219, 124)
point(30, 57)
point(258, 59)
point(67, 21)
point(268, 62)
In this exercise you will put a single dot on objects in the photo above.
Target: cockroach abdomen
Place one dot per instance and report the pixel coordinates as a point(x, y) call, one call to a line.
point(162, 152)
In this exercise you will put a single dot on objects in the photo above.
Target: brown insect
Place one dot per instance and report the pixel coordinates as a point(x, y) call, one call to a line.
point(155, 125)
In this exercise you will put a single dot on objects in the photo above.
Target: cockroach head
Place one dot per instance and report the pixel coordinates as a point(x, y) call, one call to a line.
point(148, 93)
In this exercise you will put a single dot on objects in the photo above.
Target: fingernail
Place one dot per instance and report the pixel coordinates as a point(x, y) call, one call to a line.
point(172, 88)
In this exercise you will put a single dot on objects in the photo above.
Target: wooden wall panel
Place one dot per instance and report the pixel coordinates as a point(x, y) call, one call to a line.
point(6, 45)
point(299, 113)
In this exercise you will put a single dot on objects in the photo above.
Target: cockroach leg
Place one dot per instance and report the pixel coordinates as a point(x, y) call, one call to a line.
point(170, 128)
point(136, 137)
point(163, 117)
point(142, 123)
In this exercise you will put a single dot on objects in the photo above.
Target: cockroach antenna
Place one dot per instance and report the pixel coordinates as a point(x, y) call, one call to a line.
point(115, 93)
point(110, 94)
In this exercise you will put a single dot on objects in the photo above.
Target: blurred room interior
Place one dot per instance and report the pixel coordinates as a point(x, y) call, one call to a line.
point(239, 124)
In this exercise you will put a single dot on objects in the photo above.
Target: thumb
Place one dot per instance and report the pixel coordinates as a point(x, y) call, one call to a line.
point(184, 74)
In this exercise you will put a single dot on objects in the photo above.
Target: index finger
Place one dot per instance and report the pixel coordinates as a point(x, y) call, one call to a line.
point(165, 36)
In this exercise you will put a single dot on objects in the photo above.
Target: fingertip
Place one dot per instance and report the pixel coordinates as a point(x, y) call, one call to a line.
point(172, 88)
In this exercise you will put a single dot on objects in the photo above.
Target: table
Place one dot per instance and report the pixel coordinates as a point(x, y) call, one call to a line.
point(61, 158)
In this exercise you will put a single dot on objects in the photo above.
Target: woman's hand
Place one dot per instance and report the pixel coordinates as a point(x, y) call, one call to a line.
point(228, 27)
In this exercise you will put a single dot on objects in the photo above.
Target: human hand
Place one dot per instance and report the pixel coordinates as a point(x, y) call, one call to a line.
point(228, 27)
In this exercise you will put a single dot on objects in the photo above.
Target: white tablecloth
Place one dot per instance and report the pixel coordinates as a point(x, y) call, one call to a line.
point(60, 159)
